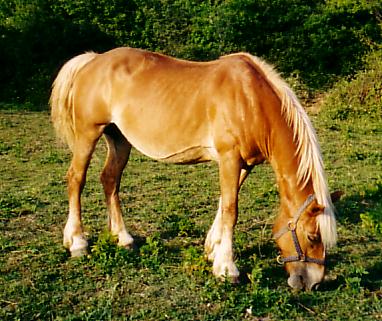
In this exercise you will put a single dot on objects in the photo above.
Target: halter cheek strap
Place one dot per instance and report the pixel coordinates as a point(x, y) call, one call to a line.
point(291, 227)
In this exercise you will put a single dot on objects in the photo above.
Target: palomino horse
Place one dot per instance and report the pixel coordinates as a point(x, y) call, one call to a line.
point(235, 110)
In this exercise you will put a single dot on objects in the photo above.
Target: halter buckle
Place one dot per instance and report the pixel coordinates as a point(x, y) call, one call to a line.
point(292, 226)
point(279, 260)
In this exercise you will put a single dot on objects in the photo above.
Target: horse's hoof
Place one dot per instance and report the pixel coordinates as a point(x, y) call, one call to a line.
point(234, 279)
point(228, 273)
point(229, 279)
point(130, 246)
point(79, 252)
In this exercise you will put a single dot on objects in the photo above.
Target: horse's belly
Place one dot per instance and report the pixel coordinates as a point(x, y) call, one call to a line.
point(189, 155)
point(194, 154)
point(171, 146)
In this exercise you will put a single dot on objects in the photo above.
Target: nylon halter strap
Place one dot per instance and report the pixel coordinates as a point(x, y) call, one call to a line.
point(291, 227)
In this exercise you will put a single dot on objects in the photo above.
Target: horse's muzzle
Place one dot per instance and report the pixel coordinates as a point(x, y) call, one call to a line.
point(305, 276)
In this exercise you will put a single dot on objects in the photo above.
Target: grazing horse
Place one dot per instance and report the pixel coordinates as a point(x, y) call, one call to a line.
point(236, 111)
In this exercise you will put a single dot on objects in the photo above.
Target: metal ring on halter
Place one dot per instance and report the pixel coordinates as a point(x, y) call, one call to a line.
point(292, 226)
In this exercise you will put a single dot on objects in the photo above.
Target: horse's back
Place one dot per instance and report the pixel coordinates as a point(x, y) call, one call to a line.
point(170, 109)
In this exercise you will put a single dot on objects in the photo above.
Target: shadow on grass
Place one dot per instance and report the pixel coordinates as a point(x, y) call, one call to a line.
point(373, 280)
point(349, 207)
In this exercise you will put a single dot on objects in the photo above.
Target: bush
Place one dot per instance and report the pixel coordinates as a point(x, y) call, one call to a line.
point(361, 95)
point(35, 41)
point(316, 41)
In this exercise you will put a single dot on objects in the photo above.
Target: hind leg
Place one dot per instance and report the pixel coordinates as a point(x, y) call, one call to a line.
point(117, 157)
point(74, 239)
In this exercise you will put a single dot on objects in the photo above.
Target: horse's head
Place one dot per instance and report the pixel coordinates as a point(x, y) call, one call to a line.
point(302, 250)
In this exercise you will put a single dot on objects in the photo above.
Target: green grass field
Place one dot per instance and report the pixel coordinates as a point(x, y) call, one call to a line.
point(168, 209)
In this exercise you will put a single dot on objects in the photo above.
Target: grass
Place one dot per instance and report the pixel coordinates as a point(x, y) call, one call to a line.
point(168, 209)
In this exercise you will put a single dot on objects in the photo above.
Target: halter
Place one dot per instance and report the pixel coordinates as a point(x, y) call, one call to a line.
point(292, 226)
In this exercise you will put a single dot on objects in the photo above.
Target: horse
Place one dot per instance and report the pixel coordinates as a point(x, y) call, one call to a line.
point(235, 110)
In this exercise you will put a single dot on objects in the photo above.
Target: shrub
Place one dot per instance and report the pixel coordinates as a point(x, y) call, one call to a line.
point(361, 95)
point(314, 40)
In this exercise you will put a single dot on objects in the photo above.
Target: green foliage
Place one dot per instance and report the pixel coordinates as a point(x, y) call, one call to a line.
point(35, 40)
point(361, 95)
point(152, 253)
point(106, 256)
point(371, 223)
point(195, 262)
point(335, 38)
point(179, 226)
point(354, 278)
point(256, 274)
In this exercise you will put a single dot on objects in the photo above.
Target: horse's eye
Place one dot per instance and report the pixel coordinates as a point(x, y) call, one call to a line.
point(314, 238)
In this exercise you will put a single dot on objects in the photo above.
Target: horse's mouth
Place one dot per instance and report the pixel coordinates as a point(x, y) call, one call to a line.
point(297, 282)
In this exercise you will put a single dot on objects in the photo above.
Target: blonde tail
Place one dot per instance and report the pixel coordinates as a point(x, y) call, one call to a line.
point(61, 98)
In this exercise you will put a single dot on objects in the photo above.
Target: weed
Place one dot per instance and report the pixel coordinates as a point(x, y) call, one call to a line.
point(176, 225)
point(354, 278)
point(195, 262)
point(152, 253)
point(371, 223)
point(256, 275)
point(106, 256)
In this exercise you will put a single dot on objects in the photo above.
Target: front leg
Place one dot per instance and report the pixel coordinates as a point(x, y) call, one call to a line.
point(219, 242)
point(214, 237)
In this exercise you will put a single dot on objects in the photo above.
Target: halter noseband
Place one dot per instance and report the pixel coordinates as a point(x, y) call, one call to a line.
point(292, 226)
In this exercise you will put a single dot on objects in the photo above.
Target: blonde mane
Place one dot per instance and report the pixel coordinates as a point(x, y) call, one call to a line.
point(308, 150)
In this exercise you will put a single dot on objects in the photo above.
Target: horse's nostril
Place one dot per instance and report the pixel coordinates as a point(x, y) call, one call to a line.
point(296, 282)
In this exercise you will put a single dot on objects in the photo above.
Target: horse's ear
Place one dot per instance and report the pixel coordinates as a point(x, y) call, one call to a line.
point(335, 196)
point(315, 209)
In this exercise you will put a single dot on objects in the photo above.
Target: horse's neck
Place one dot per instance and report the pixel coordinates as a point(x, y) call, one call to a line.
point(285, 163)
